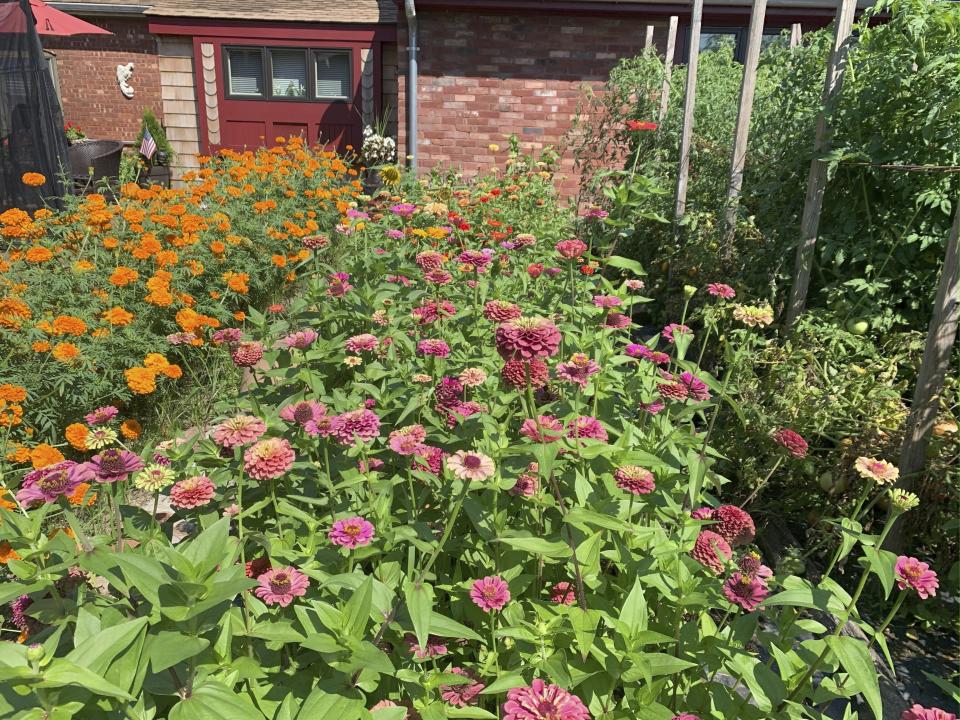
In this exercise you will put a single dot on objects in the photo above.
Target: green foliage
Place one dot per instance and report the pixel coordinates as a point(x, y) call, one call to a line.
point(152, 123)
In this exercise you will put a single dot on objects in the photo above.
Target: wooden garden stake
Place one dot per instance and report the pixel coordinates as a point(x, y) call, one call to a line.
point(668, 66)
point(796, 34)
point(817, 178)
point(648, 40)
point(689, 99)
point(744, 112)
point(941, 336)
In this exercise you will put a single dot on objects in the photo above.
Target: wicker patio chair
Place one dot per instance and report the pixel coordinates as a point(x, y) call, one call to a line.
point(93, 161)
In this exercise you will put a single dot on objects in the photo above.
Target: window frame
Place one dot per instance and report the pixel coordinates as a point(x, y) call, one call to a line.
point(266, 59)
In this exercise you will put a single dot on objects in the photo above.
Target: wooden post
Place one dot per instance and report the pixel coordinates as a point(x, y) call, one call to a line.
point(648, 40)
point(742, 132)
point(817, 178)
point(668, 66)
point(689, 100)
point(941, 335)
point(796, 35)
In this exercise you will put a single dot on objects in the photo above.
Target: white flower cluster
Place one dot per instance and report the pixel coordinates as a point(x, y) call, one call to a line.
point(377, 149)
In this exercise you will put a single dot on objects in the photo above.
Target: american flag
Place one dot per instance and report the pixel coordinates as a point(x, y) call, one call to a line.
point(148, 146)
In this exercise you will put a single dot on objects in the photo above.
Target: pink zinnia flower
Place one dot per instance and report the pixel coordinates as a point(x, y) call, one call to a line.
point(526, 485)
point(685, 716)
point(247, 354)
point(490, 593)
point(478, 259)
point(351, 533)
point(435, 647)
point(745, 591)
point(406, 440)
point(360, 424)
point(193, 492)
point(751, 565)
point(911, 573)
point(300, 340)
point(571, 249)
point(517, 373)
point(303, 412)
point(279, 586)
point(653, 407)
point(501, 311)
point(448, 392)
point(545, 429)
point(468, 465)
point(543, 702)
point(238, 431)
point(268, 459)
point(634, 285)
point(362, 343)
point(733, 525)
point(114, 464)
point(586, 427)
point(227, 336)
point(616, 321)
point(473, 377)
point(403, 209)
point(429, 459)
point(436, 348)
point(635, 350)
point(463, 694)
point(669, 330)
point(339, 286)
point(438, 277)
point(721, 291)
point(563, 593)
point(431, 311)
point(634, 479)
point(918, 712)
point(673, 390)
point(792, 441)
point(607, 301)
point(696, 388)
point(525, 338)
point(47, 484)
point(578, 370)
point(430, 260)
point(880, 471)
point(455, 414)
point(101, 415)
point(711, 551)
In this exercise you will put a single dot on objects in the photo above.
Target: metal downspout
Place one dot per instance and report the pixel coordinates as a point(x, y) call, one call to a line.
point(412, 42)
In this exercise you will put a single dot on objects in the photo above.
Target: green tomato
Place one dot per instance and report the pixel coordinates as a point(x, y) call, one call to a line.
point(857, 327)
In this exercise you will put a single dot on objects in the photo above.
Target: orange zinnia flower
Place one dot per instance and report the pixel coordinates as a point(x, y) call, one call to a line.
point(77, 434)
point(66, 352)
point(7, 552)
point(43, 455)
point(130, 429)
point(77, 497)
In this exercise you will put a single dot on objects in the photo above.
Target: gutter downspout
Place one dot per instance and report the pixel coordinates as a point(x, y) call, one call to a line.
point(412, 71)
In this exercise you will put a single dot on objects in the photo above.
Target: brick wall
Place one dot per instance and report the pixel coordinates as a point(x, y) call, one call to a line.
point(485, 77)
point(87, 69)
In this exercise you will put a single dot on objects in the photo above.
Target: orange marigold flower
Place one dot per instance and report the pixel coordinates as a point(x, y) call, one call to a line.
point(38, 254)
point(83, 266)
point(110, 243)
point(130, 429)
point(4, 502)
point(196, 267)
point(13, 312)
point(279, 260)
point(160, 298)
point(237, 281)
point(40, 346)
point(66, 352)
point(77, 434)
point(69, 325)
point(166, 257)
point(10, 414)
point(43, 455)
point(240, 315)
point(19, 454)
point(217, 247)
point(172, 371)
point(101, 332)
point(118, 316)
point(7, 552)
point(33, 179)
point(13, 393)
point(155, 361)
point(123, 276)
point(141, 380)
point(78, 496)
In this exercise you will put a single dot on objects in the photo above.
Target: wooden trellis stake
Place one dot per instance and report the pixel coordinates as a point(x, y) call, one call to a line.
point(744, 112)
point(941, 335)
point(689, 100)
point(668, 66)
point(648, 40)
point(796, 33)
point(817, 178)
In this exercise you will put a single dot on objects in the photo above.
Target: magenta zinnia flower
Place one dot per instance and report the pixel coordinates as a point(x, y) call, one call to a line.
point(911, 573)
point(431, 311)
point(525, 338)
point(101, 415)
point(193, 492)
point(501, 311)
point(792, 441)
point(685, 716)
point(634, 479)
point(351, 533)
point(578, 370)
point(114, 464)
point(403, 209)
point(279, 586)
point(543, 702)
point(616, 321)
point(428, 459)
point(711, 551)
point(745, 591)
point(433, 347)
point(238, 431)
point(448, 392)
point(49, 483)
point(490, 593)
point(721, 291)
point(918, 712)
point(545, 429)
point(669, 330)
point(463, 694)
point(696, 388)
point(268, 459)
point(750, 564)
point(360, 424)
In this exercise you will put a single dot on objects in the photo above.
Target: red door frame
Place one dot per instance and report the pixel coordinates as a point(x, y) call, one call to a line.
point(356, 37)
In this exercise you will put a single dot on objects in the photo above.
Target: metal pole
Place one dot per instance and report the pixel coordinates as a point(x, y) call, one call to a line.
point(412, 71)
point(689, 99)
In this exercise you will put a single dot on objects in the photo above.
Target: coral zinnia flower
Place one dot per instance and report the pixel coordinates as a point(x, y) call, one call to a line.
point(586, 427)
point(711, 551)
point(360, 343)
point(193, 492)
point(733, 525)
point(114, 465)
point(517, 373)
point(525, 338)
point(238, 431)
point(406, 440)
point(918, 712)
point(571, 249)
point(462, 694)
point(300, 340)
point(792, 441)
point(578, 370)
point(360, 424)
point(880, 471)
point(490, 593)
point(473, 377)
point(543, 702)
point(351, 533)
point(546, 428)
point(745, 591)
point(634, 479)
point(501, 311)
point(303, 412)
point(468, 465)
point(562, 593)
point(911, 573)
point(247, 354)
point(279, 586)
point(721, 291)
point(268, 459)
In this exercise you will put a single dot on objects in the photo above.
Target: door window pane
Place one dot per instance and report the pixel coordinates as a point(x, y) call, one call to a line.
point(289, 73)
point(333, 74)
point(245, 72)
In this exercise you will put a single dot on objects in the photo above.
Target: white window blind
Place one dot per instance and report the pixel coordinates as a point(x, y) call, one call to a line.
point(246, 72)
point(333, 74)
point(289, 73)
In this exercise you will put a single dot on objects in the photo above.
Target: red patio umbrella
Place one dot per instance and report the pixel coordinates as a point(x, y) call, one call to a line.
point(51, 21)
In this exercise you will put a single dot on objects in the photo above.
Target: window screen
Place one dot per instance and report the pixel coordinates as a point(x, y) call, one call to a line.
point(245, 72)
point(289, 73)
point(333, 74)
